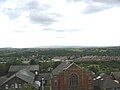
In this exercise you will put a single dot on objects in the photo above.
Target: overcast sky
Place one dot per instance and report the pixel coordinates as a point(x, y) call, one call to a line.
point(35, 23)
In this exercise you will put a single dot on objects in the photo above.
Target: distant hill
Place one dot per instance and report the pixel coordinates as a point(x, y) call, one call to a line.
point(50, 52)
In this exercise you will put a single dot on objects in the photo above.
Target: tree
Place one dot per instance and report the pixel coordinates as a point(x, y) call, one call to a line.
point(32, 62)
point(3, 69)
point(27, 87)
point(93, 68)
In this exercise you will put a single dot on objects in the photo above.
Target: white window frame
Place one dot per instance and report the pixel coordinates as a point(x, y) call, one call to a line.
point(6, 86)
point(20, 85)
point(16, 85)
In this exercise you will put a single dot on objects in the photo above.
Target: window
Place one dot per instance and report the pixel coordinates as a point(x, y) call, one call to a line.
point(73, 80)
point(12, 85)
point(19, 85)
point(16, 86)
point(55, 82)
point(116, 88)
point(6, 86)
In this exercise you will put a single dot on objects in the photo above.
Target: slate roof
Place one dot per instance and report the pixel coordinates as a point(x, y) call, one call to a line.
point(24, 75)
point(116, 75)
point(46, 76)
point(16, 68)
point(2, 79)
point(60, 68)
point(106, 82)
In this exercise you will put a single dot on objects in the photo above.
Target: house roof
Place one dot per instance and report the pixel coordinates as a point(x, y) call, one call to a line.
point(106, 82)
point(2, 79)
point(46, 76)
point(24, 75)
point(63, 66)
point(60, 68)
point(16, 68)
point(116, 75)
point(109, 83)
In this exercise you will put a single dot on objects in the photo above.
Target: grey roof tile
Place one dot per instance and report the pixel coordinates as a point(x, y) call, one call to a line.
point(106, 82)
point(116, 75)
point(46, 76)
point(2, 79)
point(60, 68)
point(24, 75)
point(16, 68)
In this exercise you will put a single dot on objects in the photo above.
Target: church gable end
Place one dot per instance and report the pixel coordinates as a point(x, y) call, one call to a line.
point(72, 77)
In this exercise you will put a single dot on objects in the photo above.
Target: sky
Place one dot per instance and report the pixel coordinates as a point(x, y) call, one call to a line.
point(36, 23)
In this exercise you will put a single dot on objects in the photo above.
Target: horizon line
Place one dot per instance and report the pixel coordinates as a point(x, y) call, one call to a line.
point(60, 47)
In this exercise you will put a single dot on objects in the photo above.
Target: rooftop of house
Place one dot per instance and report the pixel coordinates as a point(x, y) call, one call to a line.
point(2, 79)
point(24, 75)
point(46, 76)
point(104, 81)
point(16, 68)
point(116, 75)
point(60, 68)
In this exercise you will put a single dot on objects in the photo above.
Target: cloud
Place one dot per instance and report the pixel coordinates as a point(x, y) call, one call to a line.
point(60, 37)
point(38, 18)
point(86, 22)
point(115, 2)
point(12, 13)
point(1, 1)
point(73, 0)
point(14, 9)
point(101, 1)
point(35, 5)
point(10, 9)
point(38, 12)
point(98, 5)
point(92, 8)
point(62, 30)
point(56, 30)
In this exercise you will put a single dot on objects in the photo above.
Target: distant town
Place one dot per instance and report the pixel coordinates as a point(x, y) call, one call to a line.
point(68, 68)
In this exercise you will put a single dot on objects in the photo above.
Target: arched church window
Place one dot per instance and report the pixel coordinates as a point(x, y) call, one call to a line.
point(73, 80)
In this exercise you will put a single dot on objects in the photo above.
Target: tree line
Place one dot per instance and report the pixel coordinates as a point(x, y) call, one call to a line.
point(113, 51)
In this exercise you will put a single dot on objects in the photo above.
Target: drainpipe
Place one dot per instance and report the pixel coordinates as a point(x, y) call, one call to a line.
point(42, 83)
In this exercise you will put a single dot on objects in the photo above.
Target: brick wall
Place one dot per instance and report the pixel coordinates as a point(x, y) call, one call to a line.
point(64, 82)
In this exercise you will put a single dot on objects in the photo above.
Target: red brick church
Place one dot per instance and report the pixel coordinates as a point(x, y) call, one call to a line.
point(70, 76)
